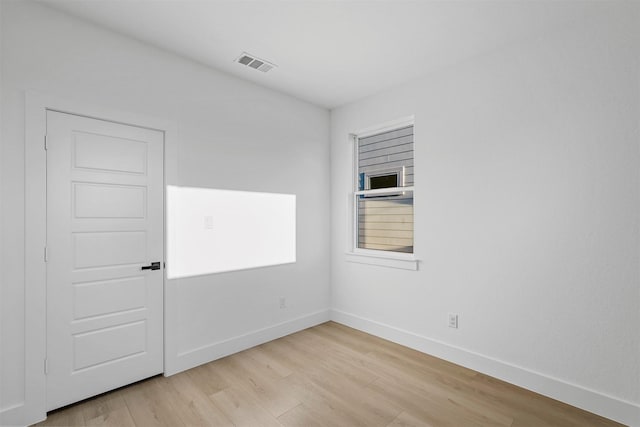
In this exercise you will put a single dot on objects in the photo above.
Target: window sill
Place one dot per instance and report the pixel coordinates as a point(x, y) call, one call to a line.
point(403, 263)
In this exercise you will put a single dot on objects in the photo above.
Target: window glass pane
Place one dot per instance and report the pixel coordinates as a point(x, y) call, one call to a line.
point(386, 153)
point(383, 181)
point(386, 222)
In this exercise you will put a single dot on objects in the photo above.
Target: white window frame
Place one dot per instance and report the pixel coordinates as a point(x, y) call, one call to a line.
point(407, 261)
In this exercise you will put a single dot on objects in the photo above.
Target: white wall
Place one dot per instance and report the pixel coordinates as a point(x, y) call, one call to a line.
point(527, 215)
point(2, 297)
point(232, 134)
point(527, 201)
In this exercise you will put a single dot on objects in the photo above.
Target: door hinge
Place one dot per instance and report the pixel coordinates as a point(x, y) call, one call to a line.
point(46, 366)
point(46, 254)
point(46, 143)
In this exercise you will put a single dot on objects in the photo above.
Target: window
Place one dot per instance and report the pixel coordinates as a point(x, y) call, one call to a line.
point(383, 193)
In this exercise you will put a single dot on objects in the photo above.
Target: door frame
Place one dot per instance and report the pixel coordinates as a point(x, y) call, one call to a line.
point(35, 273)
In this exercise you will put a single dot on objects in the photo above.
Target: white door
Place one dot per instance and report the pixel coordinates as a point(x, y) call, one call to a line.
point(104, 224)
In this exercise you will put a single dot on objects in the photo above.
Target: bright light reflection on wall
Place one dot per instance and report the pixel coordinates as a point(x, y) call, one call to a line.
point(211, 231)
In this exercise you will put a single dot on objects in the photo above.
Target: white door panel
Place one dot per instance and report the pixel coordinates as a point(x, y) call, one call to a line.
point(108, 201)
point(104, 222)
point(108, 296)
point(103, 152)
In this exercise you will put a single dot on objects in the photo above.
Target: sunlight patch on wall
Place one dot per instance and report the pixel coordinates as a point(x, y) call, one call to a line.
point(213, 231)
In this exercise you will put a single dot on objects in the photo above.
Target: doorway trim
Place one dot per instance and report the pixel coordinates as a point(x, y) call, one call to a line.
point(35, 277)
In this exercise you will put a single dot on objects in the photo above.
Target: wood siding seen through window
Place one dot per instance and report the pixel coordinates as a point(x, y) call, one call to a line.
point(386, 223)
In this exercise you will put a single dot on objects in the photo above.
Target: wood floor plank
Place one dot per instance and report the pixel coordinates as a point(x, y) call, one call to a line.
point(119, 417)
point(321, 358)
point(302, 415)
point(262, 384)
point(339, 380)
point(330, 409)
point(444, 391)
point(108, 410)
point(206, 380)
point(195, 408)
point(150, 405)
point(259, 355)
point(405, 419)
point(242, 409)
point(328, 375)
point(104, 404)
point(430, 409)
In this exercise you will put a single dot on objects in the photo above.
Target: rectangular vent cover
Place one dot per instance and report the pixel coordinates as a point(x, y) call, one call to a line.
point(254, 62)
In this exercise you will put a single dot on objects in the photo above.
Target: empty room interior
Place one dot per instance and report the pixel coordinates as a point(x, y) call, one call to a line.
point(320, 213)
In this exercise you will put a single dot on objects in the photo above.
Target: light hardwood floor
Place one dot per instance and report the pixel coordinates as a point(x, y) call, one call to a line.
point(328, 375)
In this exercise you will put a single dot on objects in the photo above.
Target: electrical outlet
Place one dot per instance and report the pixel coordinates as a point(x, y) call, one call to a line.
point(283, 302)
point(453, 320)
point(208, 223)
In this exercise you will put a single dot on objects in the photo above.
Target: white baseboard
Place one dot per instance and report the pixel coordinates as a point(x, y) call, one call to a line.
point(13, 415)
point(20, 414)
point(607, 406)
point(198, 356)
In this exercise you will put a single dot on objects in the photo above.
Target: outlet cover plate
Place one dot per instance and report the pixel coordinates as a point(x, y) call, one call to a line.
point(453, 320)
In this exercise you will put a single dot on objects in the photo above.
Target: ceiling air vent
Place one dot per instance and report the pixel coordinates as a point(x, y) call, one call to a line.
point(253, 62)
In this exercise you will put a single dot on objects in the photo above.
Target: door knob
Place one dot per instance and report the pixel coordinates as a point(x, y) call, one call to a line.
point(152, 266)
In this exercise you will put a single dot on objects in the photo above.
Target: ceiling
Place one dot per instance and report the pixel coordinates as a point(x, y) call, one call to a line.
point(329, 52)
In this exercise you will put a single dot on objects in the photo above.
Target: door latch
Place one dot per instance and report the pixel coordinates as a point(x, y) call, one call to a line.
point(152, 266)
